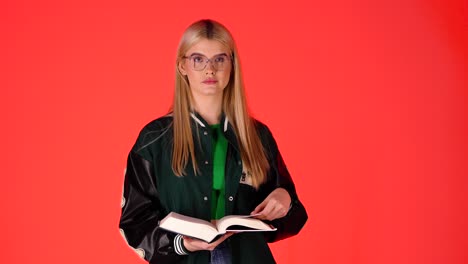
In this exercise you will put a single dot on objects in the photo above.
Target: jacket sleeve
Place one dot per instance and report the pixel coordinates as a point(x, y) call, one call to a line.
point(279, 177)
point(141, 213)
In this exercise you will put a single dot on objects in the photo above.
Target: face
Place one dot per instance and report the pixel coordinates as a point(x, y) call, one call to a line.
point(208, 66)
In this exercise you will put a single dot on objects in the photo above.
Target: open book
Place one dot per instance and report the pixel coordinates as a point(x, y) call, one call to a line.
point(204, 230)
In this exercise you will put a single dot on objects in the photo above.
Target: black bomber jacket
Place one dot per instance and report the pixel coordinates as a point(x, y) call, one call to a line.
point(151, 191)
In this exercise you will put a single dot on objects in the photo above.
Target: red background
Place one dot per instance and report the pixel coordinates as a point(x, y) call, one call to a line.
point(367, 100)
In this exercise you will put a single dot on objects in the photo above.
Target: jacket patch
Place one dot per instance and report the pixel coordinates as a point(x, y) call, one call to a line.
point(246, 178)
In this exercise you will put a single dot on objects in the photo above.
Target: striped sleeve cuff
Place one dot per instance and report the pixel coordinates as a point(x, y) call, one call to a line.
point(179, 245)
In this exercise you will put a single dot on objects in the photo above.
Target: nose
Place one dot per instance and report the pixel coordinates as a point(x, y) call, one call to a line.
point(209, 68)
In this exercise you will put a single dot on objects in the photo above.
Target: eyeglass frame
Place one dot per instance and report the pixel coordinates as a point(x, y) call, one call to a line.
point(208, 60)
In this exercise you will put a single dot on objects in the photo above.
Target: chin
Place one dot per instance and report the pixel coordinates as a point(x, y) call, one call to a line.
point(211, 91)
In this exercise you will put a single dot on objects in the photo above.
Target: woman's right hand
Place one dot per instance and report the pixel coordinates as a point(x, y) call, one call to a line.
point(193, 244)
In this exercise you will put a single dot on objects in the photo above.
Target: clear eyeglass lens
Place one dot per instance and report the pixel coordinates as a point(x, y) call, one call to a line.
point(200, 62)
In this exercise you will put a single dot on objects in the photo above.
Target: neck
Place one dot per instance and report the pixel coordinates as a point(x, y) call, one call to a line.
point(209, 108)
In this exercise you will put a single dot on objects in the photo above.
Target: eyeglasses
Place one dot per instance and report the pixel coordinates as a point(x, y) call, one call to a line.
point(199, 62)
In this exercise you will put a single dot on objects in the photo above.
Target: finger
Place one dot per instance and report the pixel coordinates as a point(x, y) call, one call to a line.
point(267, 212)
point(222, 238)
point(259, 207)
point(278, 212)
point(216, 243)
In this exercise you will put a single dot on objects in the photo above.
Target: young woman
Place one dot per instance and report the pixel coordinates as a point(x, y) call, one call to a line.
point(207, 158)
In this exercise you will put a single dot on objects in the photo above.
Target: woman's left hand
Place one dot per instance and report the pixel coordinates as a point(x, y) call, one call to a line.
point(275, 206)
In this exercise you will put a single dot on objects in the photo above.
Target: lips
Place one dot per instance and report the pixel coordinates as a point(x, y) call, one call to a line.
point(210, 81)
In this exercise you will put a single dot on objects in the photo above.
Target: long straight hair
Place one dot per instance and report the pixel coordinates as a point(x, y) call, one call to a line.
point(234, 106)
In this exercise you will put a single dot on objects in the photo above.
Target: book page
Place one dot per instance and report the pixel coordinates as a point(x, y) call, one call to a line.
point(242, 220)
point(189, 226)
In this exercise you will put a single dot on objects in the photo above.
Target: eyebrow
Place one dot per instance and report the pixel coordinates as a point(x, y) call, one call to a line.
point(200, 54)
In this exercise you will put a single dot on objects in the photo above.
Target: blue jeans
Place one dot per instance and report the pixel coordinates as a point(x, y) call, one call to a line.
point(221, 254)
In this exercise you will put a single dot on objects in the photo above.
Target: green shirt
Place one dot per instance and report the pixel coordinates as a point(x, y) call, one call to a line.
point(219, 161)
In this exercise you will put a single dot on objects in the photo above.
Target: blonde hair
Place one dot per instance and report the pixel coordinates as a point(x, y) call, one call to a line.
point(234, 106)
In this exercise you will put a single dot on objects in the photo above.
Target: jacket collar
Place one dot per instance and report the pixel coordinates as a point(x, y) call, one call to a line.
point(200, 121)
point(228, 129)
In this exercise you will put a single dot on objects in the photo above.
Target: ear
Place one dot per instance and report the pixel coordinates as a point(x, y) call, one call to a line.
point(181, 67)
